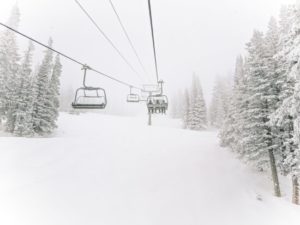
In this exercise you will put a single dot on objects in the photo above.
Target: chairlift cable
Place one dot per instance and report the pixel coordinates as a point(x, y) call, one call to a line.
point(153, 39)
point(70, 58)
point(128, 37)
point(107, 38)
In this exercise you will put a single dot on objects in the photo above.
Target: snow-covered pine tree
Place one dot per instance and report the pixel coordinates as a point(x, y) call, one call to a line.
point(186, 109)
point(220, 101)
point(54, 90)
point(284, 83)
point(42, 118)
point(9, 64)
point(227, 130)
point(242, 114)
point(286, 18)
point(287, 118)
point(197, 111)
point(287, 115)
point(174, 105)
point(23, 111)
point(256, 146)
point(259, 141)
point(216, 111)
point(294, 158)
point(177, 105)
point(230, 133)
point(271, 98)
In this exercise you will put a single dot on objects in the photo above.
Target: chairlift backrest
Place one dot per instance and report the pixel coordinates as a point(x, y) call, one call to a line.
point(157, 101)
point(133, 98)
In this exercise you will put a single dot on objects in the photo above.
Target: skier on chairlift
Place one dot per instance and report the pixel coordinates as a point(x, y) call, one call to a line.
point(151, 108)
point(163, 106)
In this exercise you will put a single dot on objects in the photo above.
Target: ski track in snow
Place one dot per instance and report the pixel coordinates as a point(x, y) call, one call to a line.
point(109, 170)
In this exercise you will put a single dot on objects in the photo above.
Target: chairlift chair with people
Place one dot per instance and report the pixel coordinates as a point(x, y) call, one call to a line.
point(157, 104)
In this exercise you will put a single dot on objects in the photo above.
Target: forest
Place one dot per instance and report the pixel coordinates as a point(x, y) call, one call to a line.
point(257, 109)
point(29, 98)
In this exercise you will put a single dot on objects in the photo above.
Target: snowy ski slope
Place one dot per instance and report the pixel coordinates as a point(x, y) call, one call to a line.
point(109, 170)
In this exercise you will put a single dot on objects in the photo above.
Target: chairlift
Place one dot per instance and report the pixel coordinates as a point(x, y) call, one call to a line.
point(133, 98)
point(87, 97)
point(144, 96)
point(158, 103)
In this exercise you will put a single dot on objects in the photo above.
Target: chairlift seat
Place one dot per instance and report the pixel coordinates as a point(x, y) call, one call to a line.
point(90, 98)
point(88, 106)
point(133, 98)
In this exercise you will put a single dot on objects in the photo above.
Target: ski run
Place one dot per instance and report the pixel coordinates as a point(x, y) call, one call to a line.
point(108, 170)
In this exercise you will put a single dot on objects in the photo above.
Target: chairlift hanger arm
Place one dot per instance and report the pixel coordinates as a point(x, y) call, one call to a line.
point(153, 40)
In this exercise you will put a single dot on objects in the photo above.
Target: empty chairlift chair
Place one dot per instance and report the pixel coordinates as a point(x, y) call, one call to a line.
point(133, 98)
point(88, 97)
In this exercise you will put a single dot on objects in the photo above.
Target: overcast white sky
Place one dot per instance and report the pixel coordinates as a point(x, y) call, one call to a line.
point(192, 36)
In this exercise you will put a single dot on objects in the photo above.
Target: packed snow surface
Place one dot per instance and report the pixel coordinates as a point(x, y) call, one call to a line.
point(109, 170)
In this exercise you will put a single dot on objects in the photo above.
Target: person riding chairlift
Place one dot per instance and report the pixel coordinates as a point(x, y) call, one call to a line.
point(163, 107)
point(151, 109)
point(157, 106)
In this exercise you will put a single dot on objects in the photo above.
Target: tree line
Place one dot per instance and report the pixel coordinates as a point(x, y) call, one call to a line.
point(190, 106)
point(29, 98)
point(260, 119)
point(219, 105)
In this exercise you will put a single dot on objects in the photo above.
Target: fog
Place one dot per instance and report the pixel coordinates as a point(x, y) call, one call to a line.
point(192, 36)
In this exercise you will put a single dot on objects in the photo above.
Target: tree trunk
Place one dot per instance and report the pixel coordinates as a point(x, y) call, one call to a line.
point(274, 174)
point(295, 197)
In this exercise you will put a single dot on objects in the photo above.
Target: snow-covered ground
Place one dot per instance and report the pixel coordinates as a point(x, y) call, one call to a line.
point(109, 170)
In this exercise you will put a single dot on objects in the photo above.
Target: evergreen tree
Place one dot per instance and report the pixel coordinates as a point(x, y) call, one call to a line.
point(294, 157)
point(216, 111)
point(24, 103)
point(271, 98)
point(230, 133)
point(174, 105)
point(220, 102)
point(259, 141)
point(54, 90)
point(43, 104)
point(240, 105)
point(286, 116)
point(9, 64)
point(186, 109)
point(255, 124)
point(177, 105)
point(197, 111)
point(286, 20)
